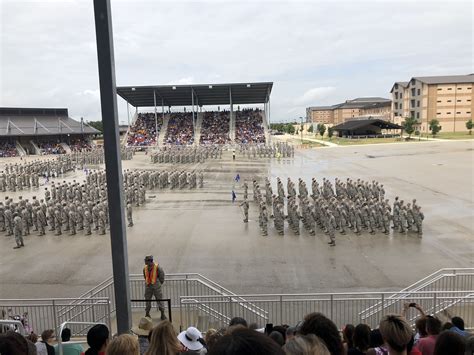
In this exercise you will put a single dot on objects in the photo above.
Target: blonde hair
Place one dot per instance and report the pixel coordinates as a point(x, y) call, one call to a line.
point(306, 345)
point(164, 340)
point(124, 344)
point(396, 332)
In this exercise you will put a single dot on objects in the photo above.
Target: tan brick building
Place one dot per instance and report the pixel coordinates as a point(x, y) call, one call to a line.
point(449, 99)
point(378, 107)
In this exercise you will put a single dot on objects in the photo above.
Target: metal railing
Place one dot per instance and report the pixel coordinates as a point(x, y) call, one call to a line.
point(49, 313)
point(342, 308)
point(458, 279)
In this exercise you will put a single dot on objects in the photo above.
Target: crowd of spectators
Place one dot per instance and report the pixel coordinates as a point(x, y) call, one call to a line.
point(249, 126)
point(314, 335)
point(180, 129)
point(215, 128)
point(143, 131)
point(79, 144)
point(8, 149)
point(48, 147)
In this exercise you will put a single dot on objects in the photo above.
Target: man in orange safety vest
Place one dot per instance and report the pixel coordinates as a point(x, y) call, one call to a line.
point(154, 277)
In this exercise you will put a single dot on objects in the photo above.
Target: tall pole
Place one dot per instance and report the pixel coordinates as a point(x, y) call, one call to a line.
point(301, 129)
point(163, 110)
point(156, 119)
point(128, 113)
point(192, 106)
point(231, 113)
point(113, 164)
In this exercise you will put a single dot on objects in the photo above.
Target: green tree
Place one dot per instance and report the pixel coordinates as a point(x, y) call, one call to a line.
point(330, 132)
point(310, 129)
point(469, 125)
point(434, 127)
point(290, 129)
point(409, 126)
point(97, 125)
point(321, 129)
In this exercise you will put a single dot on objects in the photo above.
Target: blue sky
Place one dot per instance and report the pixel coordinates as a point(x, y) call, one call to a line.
point(315, 52)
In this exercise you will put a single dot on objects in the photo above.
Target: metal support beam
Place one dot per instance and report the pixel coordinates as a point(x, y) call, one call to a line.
point(231, 112)
point(192, 107)
point(128, 113)
point(156, 119)
point(163, 110)
point(113, 164)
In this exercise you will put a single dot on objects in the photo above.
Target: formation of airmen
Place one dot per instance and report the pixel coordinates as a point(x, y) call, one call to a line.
point(275, 150)
point(173, 179)
point(96, 156)
point(186, 154)
point(355, 205)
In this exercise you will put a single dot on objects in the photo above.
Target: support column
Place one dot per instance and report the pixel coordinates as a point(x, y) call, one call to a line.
point(163, 110)
point(128, 113)
point(113, 164)
point(192, 107)
point(156, 119)
point(231, 114)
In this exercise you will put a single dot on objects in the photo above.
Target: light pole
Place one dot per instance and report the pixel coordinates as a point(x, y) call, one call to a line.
point(301, 129)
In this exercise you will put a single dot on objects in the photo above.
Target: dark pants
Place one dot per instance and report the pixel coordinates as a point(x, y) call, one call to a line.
point(150, 291)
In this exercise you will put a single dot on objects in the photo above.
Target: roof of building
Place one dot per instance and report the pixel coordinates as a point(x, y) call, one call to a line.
point(401, 83)
point(358, 123)
point(360, 102)
point(321, 108)
point(447, 79)
point(16, 121)
point(204, 94)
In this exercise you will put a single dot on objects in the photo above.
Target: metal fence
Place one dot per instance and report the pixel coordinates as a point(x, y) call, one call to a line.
point(45, 314)
point(342, 308)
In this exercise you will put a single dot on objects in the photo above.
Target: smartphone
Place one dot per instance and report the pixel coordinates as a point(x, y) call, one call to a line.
point(268, 328)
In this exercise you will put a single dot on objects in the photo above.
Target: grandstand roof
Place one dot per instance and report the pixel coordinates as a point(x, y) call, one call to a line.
point(15, 121)
point(205, 94)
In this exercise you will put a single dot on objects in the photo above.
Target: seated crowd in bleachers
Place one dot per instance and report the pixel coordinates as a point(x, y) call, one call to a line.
point(143, 131)
point(8, 149)
point(316, 334)
point(180, 129)
point(79, 144)
point(48, 147)
point(215, 128)
point(249, 126)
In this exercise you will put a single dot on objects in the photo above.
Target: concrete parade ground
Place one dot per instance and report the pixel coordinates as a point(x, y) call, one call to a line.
point(201, 230)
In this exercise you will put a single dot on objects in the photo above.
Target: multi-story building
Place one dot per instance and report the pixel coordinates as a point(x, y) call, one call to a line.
point(449, 99)
point(351, 109)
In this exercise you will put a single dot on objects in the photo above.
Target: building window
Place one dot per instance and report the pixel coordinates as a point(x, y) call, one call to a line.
point(412, 103)
point(439, 89)
point(401, 106)
point(413, 91)
point(468, 100)
point(469, 88)
point(439, 101)
point(412, 114)
point(458, 113)
point(459, 88)
point(468, 112)
point(450, 88)
point(459, 100)
point(448, 113)
point(417, 115)
point(418, 103)
point(438, 113)
point(401, 95)
point(396, 96)
point(449, 100)
point(419, 92)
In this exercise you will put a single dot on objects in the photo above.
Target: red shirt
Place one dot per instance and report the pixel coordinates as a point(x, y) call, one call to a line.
point(426, 345)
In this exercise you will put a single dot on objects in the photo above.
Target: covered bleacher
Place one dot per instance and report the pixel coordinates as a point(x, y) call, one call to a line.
point(367, 128)
point(41, 131)
point(226, 125)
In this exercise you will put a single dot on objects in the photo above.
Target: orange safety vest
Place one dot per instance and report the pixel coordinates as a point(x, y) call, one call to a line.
point(150, 277)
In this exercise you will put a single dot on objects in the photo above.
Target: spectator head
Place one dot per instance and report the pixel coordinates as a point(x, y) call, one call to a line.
point(253, 326)
point(376, 339)
point(396, 332)
point(66, 334)
point(191, 338)
point(211, 338)
point(124, 344)
point(449, 343)
point(420, 326)
point(97, 339)
point(347, 334)
point(144, 328)
point(277, 337)
point(323, 327)
point(458, 322)
point(238, 320)
point(47, 335)
point(433, 325)
point(447, 326)
point(163, 340)
point(290, 333)
point(306, 345)
point(246, 341)
point(282, 330)
point(361, 337)
point(12, 343)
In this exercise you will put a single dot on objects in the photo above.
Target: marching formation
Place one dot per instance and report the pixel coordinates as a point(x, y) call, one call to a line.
point(354, 205)
point(186, 155)
point(73, 206)
point(275, 150)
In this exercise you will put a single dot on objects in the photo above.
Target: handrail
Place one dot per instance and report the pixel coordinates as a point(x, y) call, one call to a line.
point(15, 322)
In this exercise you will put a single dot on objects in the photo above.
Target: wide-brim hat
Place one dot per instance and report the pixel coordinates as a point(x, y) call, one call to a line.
point(189, 338)
point(145, 326)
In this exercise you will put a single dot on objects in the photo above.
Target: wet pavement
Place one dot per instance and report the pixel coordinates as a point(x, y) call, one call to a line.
point(202, 231)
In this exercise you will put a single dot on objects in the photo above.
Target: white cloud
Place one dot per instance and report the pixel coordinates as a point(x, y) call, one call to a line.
point(312, 96)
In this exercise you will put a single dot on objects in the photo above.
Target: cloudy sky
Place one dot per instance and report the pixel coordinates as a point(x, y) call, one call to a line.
point(315, 52)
